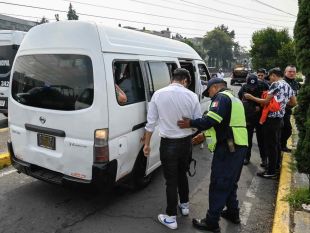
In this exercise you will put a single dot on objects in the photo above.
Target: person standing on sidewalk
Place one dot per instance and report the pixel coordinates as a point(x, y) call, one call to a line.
point(290, 76)
point(226, 136)
point(253, 112)
point(167, 106)
point(284, 95)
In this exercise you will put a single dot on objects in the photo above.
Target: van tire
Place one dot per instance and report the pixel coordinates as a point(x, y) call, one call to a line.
point(140, 180)
point(232, 82)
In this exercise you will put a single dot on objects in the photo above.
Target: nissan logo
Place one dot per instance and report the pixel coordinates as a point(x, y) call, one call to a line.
point(42, 119)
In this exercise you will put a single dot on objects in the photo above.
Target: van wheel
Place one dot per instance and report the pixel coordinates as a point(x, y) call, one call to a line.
point(232, 82)
point(140, 180)
point(5, 114)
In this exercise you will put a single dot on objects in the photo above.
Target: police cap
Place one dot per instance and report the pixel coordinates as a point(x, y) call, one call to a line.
point(252, 80)
point(212, 82)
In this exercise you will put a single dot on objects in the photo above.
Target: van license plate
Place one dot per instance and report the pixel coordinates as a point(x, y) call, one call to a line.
point(2, 103)
point(46, 141)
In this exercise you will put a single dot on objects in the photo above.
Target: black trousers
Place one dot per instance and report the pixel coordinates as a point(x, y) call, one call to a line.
point(272, 134)
point(225, 173)
point(286, 130)
point(259, 136)
point(174, 156)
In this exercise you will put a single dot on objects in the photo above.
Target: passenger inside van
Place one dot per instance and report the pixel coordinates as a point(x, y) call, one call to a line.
point(120, 95)
point(128, 78)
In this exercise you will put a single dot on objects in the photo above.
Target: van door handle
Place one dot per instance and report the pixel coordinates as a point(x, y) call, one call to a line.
point(138, 126)
point(40, 129)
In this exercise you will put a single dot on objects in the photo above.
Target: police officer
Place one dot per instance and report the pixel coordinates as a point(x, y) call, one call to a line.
point(290, 75)
point(253, 112)
point(226, 136)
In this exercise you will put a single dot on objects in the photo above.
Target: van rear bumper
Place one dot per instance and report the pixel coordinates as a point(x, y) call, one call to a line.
point(102, 174)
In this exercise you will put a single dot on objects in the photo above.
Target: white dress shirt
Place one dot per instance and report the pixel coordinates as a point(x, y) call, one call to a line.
point(167, 106)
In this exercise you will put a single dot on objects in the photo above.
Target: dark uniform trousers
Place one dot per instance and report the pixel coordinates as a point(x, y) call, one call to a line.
point(259, 136)
point(174, 156)
point(225, 173)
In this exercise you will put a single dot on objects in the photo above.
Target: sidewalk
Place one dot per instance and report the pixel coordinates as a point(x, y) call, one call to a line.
point(286, 220)
point(4, 156)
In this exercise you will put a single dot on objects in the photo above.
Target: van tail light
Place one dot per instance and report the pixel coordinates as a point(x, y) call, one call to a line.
point(101, 147)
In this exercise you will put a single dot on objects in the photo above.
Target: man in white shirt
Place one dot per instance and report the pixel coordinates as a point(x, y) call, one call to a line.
point(220, 74)
point(167, 106)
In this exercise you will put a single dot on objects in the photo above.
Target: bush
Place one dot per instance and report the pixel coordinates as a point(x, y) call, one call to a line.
point(302, 113)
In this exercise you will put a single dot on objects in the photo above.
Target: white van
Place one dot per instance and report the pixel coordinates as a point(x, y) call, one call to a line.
point(65, 121)
point(9, 44)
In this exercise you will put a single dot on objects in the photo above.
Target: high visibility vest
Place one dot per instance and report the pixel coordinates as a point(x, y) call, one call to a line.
point(237, 123)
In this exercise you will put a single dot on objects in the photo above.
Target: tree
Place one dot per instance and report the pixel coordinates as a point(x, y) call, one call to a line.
point(72, 13)
point(287, 55)
point(302, 112)
point(43, 20)
point(219, 45)
point(199, 49)
point(266, 44)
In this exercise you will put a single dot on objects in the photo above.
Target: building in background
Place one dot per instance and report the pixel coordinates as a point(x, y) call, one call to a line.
point(11, 23)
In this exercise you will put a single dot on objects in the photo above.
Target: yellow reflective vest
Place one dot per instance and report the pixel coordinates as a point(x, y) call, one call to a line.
point(237, 123)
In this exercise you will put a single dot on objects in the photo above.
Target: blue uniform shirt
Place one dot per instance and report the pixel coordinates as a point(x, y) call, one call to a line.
point(221, 105)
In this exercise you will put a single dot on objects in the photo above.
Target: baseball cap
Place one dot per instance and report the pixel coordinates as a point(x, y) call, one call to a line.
point(252, 80)
point(212, 82)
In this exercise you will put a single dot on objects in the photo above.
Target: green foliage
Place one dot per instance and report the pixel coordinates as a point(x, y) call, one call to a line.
point(72, 13)
point(302, 113)
point(287, 55)
point(219, 44)
point(302, 38)
point(298, 197)
point(199, 49)
point(267, 47)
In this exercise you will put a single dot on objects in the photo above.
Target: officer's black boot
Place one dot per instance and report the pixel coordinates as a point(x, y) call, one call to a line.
point(232, 216)
point(202, 224)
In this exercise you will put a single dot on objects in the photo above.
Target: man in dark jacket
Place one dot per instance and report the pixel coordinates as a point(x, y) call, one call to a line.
point(255, 87)
point(289, 77)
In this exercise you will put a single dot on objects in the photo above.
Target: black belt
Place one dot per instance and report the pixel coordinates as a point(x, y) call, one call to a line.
point(177, 139)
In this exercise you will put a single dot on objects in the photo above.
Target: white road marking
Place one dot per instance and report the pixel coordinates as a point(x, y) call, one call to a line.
point(5, 173)
point(245, 212)
point(253, 187)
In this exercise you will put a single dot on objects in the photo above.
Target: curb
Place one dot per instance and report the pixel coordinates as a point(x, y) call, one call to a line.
point(5, 160)
point(281, 221)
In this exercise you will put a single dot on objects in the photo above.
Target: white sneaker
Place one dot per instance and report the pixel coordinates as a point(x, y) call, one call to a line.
point(184, 208)
point(168, 221)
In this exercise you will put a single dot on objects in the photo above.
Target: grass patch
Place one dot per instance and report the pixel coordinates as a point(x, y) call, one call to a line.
point(297, 197)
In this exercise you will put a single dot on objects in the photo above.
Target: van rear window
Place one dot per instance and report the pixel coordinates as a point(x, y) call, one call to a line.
point(53, 81)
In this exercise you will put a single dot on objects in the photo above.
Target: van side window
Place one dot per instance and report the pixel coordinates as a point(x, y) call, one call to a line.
point(203, 72)
point(171, 67)
point(128, 77)
point(160, 75)
point(189, 66)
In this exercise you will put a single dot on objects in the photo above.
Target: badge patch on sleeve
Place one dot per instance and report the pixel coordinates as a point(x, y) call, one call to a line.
point(215, 104)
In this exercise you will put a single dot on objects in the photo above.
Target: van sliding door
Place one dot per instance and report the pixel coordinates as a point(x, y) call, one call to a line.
point(156, 75)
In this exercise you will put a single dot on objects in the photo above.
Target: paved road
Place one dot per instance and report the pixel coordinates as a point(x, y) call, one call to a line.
point(29, 205)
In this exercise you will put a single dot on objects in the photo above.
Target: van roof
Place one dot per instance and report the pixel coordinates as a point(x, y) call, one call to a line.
point(79, 34)
point(8, 37)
